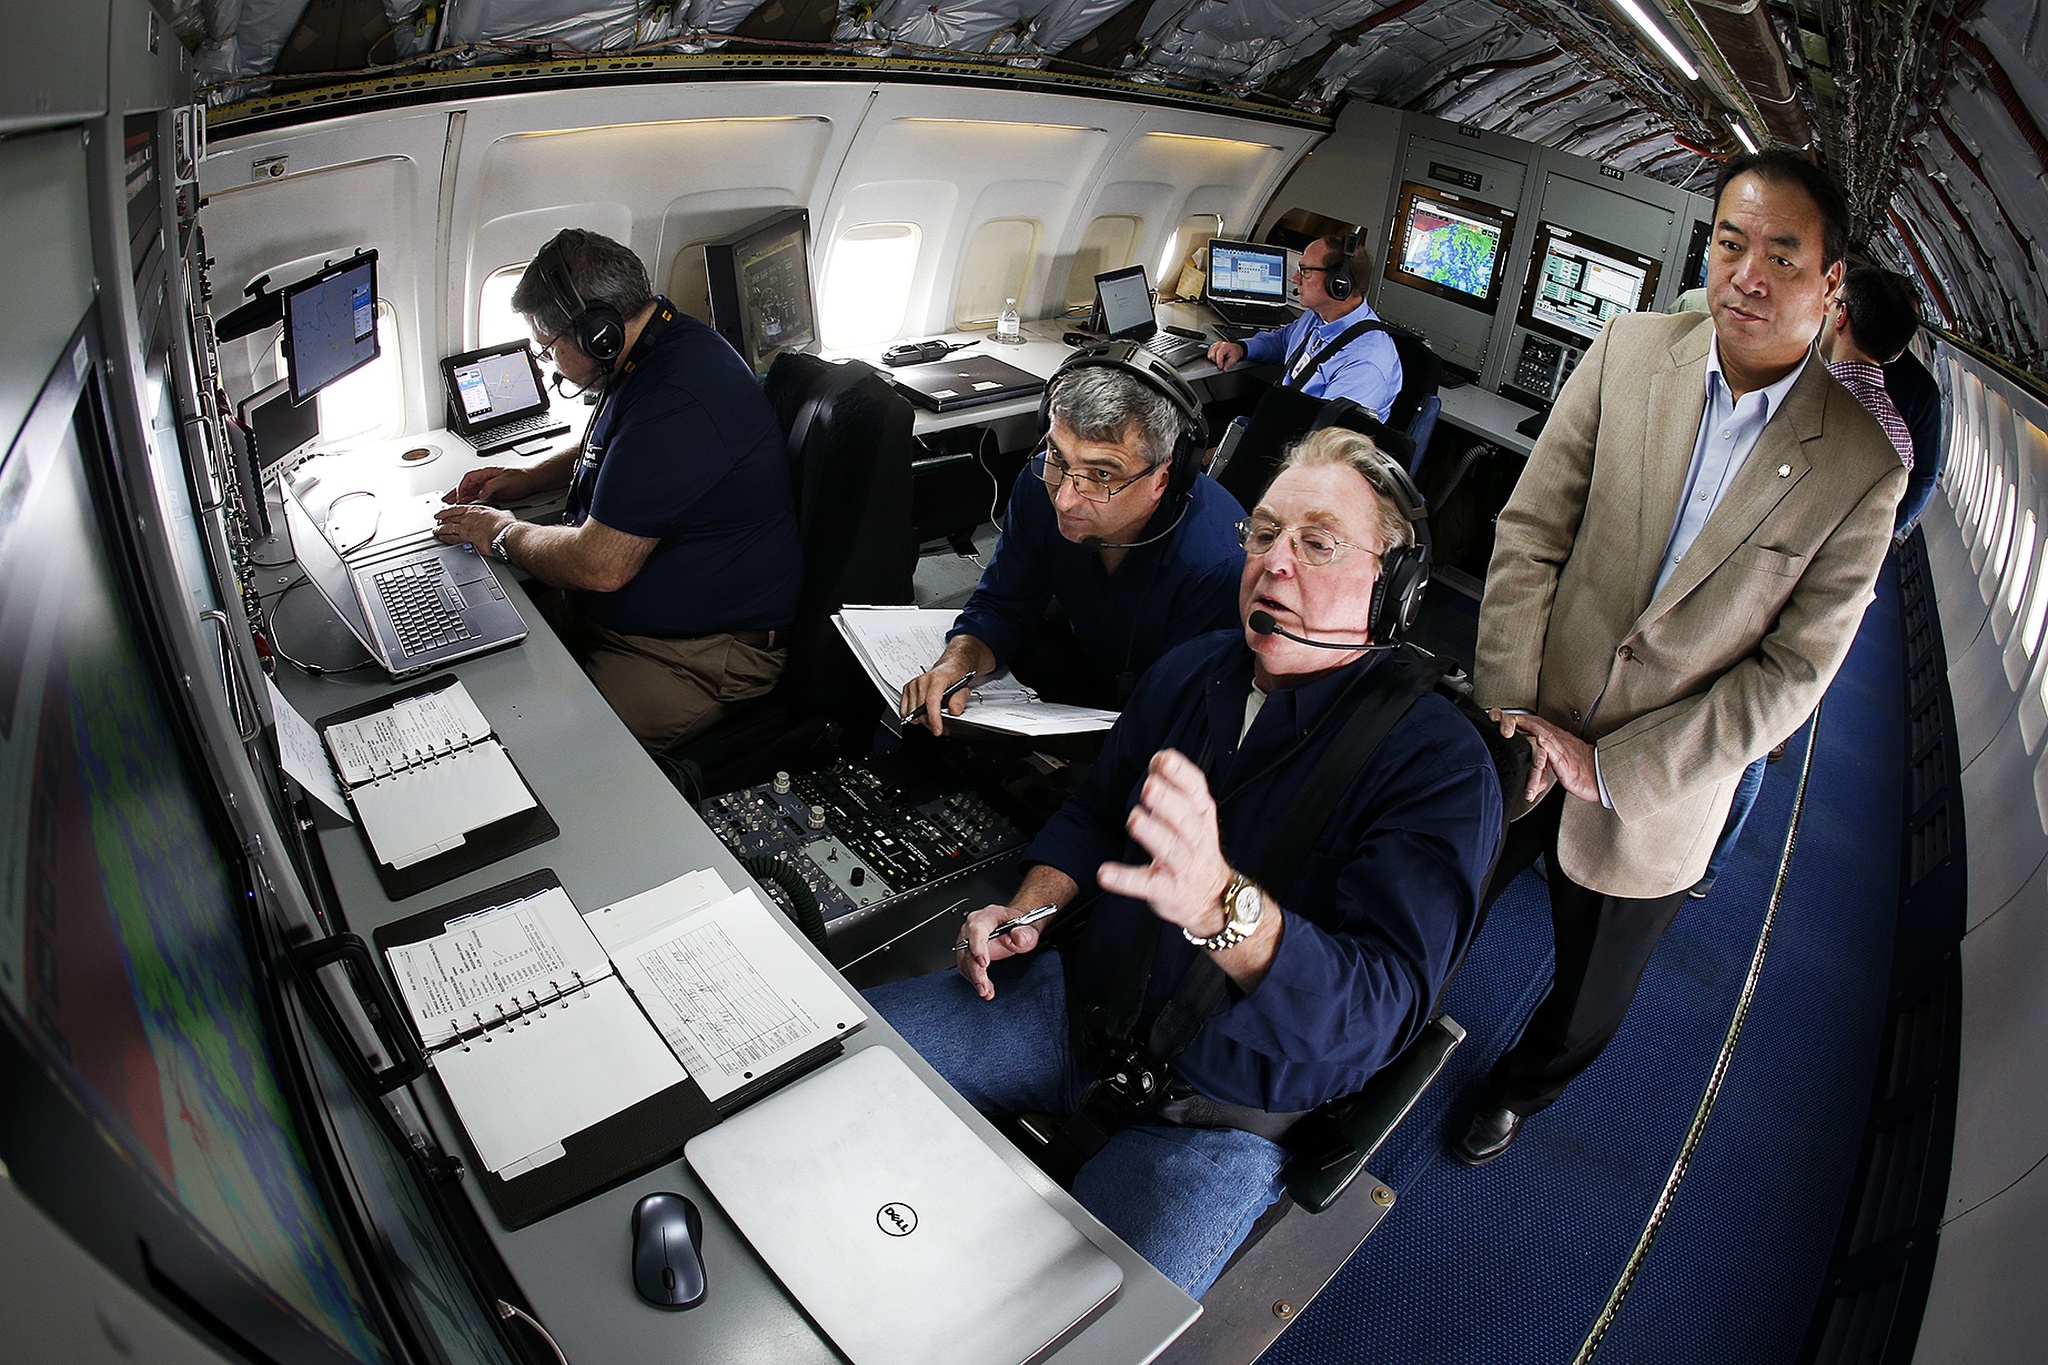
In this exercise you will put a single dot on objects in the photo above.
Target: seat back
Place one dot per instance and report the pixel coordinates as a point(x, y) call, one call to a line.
point(1283, 417)
point(850, 450)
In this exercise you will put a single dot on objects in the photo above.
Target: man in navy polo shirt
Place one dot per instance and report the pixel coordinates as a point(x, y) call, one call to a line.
point(678, 562)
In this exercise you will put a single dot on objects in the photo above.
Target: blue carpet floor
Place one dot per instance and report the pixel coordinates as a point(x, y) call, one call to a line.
point(1512, 1264)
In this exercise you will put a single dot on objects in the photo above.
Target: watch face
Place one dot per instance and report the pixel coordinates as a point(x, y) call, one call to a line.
point(1247, 905)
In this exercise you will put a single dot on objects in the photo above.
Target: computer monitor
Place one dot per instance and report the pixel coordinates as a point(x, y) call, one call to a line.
point(330, 324)
point(279, 425)
point(1578, 282)
point(1247, 272)
point(1447, 244)
point(1125, 297)
point(760, 288)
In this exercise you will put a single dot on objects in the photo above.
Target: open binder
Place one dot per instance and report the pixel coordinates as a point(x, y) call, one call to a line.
point(434, 791)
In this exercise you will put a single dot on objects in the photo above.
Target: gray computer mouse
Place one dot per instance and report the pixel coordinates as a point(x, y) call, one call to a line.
point(668, 1265)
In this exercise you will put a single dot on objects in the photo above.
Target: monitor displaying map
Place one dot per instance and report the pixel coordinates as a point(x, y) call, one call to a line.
point(330, 324)
point(1449, 245)
point(1579, 282)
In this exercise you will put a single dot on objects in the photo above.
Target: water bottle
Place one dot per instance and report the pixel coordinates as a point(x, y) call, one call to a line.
point(1010, 327)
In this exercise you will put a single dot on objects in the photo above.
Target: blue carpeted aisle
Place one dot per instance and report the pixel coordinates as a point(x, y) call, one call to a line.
point(1515, 1262)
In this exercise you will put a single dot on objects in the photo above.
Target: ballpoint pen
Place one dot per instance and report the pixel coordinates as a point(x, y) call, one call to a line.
point(1028, 917)
point(949, 694)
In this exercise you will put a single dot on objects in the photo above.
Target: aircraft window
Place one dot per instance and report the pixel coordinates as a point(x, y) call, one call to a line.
point(2023, 560)
point(867, 284)
point(369, 404)
point(2012, 502)
point(1110, 243)
point(996, 266)
point(495, 321)
point(1195, 230)
point(2037, 611)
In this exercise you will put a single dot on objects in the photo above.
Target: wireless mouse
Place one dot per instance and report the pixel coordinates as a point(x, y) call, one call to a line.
point(668, 1268)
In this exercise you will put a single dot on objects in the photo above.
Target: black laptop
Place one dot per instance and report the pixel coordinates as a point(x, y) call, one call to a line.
point(966, 381)
point(496, 398)
point(1248, 283)
point(1125, 298)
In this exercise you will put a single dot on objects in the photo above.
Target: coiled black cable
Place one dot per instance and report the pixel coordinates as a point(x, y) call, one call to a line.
point(783, 875)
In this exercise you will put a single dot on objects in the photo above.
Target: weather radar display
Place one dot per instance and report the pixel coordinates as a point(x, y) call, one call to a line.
point(1450, 248)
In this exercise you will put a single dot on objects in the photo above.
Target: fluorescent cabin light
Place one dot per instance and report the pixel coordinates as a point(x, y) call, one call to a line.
point(1742, 135)
point(1640, 17)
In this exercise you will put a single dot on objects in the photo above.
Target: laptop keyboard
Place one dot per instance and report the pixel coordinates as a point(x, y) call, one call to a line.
point(512, 433)
point(1175, 351)
point(417, 597)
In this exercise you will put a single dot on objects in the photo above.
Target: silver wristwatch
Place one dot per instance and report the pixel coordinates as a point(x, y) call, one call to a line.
point(1244, 905)
point(498, 542)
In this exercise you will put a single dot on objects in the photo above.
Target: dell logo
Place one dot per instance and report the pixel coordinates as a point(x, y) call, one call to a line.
point(898, 1220)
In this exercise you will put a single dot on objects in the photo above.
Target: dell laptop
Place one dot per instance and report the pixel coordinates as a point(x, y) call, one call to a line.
point(966, 381)
point(1125, 298)
point(906, 1239)
point(496, 399)
point(414, 604)
point(1248, 283)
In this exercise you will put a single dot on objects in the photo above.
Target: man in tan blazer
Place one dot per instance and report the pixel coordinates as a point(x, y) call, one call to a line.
point(1680, 571)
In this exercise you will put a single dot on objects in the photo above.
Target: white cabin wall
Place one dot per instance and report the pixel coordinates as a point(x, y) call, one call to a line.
point(1992, 594)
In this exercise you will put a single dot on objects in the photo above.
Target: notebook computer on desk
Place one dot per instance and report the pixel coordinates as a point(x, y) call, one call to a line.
point(414, 603)
point(1125, 298)
point(496, 399)
point(903, 1236)
point(967, 381)
point(1248, 284)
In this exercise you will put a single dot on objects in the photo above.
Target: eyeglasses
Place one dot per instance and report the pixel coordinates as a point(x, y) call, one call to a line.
point(545, 348)
point(1096, 485)
point(1318, 269)
point(1312, 545)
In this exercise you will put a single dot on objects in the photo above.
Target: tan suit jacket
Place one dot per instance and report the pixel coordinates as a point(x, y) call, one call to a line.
point(1678, 693)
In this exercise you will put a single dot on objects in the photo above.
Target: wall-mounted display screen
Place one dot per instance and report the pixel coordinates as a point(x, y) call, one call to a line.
point(1577, 283)
point(330, 324)
point(760, 288)
point(1449, 244)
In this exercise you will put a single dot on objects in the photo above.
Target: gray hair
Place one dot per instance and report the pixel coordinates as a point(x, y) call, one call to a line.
point(1333, 447)
point(600, 271)
point(1098, 403)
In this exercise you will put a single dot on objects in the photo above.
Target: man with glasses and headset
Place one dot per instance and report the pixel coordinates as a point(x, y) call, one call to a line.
point(679, 562)
point(1290, 834)
point(1114, 521)
point(1338, 347)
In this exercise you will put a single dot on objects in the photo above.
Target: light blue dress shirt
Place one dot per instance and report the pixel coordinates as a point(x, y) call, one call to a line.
point(1368, 371)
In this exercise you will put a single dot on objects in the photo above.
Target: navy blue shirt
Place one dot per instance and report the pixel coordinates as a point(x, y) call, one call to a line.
point(1180, 586)
point(687, 452)
point(1375, 917)
point(1918, 399)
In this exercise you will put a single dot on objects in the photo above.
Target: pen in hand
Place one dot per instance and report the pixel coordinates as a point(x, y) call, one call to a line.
point(1028, 917)
point(948, 695)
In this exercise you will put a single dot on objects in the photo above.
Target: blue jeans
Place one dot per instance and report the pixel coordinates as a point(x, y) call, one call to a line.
point(1738, 812)
point(1183, 1198)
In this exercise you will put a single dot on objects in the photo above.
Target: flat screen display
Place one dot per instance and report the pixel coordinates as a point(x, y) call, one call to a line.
point(760, 289)
point(1579, 282)
point(1126, 301)
point(494, 385)
point(1449, 245)
point(330, 324)
point(1244, 270)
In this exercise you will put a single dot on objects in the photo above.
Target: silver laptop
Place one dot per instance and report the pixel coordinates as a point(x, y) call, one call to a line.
point(414, 603)
point(1248, 283)
point(903, 1236)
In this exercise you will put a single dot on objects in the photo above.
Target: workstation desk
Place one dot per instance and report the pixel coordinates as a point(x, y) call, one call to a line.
point(624, 829)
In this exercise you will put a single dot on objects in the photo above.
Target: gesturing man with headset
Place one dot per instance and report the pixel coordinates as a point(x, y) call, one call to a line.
point(1113, 519)
point(678, 564)
point(1338, 347)
point(1290, 834)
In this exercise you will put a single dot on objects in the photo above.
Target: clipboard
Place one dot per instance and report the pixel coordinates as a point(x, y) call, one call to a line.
point(481, 846)
point(627, 1144)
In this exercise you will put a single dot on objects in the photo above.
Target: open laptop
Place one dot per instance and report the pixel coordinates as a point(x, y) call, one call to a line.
point(965, 381)
point(1248, 283)
point(414, 604)
point(1125, 297)
point(496, 398)
point(902, 1235)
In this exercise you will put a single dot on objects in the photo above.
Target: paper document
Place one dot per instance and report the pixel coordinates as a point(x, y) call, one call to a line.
point(431, 807)
point(299, 749)
point(496, 963)
point(896, 644)
point(634, 916)
point(732, 993)
point(523, 1088)
point(411, 731)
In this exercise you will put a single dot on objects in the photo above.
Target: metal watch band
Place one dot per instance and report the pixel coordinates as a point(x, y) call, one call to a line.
point(1234, 930)
point(498, 542)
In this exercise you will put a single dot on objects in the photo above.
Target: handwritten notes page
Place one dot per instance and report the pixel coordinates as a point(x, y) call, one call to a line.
point(732, 994)
point(412, 731)
point(496, 964)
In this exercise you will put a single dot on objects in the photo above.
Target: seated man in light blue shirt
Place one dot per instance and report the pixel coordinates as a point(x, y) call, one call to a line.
point(1338, 347)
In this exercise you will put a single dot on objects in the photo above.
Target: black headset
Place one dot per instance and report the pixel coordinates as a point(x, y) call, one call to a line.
point(598, 329)
point(1338, 281)
point(1404, 573)
point(1156, 374)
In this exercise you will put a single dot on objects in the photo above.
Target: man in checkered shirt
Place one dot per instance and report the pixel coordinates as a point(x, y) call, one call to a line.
point(1869, 325)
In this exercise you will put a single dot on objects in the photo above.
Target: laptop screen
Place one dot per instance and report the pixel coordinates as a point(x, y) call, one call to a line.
point(1247, 271)
point(323, 565)
point(498, 384)
point(1126, 301)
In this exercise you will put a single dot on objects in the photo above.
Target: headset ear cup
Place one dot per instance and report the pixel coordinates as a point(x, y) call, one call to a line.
point(1397, 596)
point(601, 333)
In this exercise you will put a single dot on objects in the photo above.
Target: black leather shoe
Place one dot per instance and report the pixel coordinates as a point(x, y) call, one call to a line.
point(1488, 1135)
